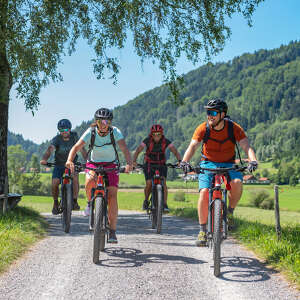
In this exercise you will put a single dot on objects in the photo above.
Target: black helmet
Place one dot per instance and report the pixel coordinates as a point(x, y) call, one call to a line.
point(64, 124)
point(217, 104)
point(103, 113)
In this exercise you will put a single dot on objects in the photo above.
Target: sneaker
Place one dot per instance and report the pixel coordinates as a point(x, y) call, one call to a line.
point(55, 210)
point(76, 206)
point(86, 212)
point(166, 208)
point(202, 239)
point(112, 238)
point(230, 221)
point(145, 205)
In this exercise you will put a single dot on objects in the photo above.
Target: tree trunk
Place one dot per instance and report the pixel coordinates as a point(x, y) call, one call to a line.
point(5, 86)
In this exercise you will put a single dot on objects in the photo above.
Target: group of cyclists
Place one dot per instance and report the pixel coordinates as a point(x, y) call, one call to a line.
point(219, 136)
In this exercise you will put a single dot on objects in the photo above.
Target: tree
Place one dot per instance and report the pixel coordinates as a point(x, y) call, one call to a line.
point(35, 34)
point(34, 164)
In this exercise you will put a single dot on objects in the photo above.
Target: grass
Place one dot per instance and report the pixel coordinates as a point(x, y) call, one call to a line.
point(19, 229)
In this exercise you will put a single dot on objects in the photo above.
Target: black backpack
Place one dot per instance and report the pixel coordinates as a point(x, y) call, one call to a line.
point(112, 142)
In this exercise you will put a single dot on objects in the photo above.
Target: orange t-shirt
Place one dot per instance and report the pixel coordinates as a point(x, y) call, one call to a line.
point(216, 149)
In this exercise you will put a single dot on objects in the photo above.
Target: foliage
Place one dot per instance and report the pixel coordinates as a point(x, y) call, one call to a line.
point(258, 196)
point(268, 203)
point(179, 196)
point(16, 157)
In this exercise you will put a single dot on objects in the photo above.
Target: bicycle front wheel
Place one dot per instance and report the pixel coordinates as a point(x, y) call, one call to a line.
point(159, 208)
point(99, 230)
point(217, 236)
point(67, 203)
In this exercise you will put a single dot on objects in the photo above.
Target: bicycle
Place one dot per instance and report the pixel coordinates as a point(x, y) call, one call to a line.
point(65, 204)
point(217, 226)
point(98, 218)
point(156, 205)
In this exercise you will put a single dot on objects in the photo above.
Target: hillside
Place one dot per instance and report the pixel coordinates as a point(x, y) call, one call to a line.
point(262, 91)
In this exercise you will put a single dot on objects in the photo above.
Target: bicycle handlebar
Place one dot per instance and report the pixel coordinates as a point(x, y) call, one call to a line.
point(100, 169)
point(153, 166)
point(238, 168)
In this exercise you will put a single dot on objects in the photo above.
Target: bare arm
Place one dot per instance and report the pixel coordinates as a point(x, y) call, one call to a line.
point(244, 143)
point(175, 152)
point(77, 147)
point(47, 154)
point(84, 153)
point(190, 151)
point(138, 150)
point(124, 149)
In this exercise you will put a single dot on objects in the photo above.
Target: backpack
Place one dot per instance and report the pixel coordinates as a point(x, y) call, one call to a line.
point(112, 142)
point(230, 137)
point(150, 148)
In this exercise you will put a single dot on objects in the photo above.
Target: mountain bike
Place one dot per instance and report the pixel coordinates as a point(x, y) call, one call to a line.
point(156, 205)
point(65, 204)
point(217, 227)
point(98, 218)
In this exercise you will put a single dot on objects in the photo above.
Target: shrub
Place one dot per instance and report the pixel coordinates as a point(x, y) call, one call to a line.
point(179, 196)
point(258, 197)
point(268, 203)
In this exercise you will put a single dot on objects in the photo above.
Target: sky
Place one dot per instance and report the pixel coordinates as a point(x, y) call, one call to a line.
point(275, 22)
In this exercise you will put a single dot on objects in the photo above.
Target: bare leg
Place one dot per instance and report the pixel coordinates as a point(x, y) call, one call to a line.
point(203, 206)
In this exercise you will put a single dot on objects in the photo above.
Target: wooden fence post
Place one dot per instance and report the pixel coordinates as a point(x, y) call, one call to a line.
point(277, 215)
point(5, 200)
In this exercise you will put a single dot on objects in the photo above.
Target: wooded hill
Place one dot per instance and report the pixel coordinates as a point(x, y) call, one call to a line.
point(262, 91)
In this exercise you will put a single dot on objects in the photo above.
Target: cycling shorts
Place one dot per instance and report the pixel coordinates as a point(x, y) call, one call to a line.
point(58, 172)
point(149, 172)
point(113, 177)
point(205, 179)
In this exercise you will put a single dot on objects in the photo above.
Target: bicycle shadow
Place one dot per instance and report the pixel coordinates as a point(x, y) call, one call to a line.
point(130, 257)
point(245, 269)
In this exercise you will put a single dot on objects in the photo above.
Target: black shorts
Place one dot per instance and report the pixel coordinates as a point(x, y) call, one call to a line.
point(149, 172)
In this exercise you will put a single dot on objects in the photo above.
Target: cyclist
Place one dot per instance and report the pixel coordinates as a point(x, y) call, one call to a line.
point(218, 135)
point(156, 145)
point(62, 144)
point(103, 152)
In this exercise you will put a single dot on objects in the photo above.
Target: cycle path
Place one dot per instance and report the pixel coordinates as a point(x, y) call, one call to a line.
point(143, 265)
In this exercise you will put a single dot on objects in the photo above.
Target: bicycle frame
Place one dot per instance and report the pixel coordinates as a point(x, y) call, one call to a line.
point(217, 192)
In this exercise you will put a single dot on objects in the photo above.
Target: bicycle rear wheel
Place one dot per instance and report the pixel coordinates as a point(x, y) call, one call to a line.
point(217, 236)
point(67, 203)
point(99, 231)
point(159, 208)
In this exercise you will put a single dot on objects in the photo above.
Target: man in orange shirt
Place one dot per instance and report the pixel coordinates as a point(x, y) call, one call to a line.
point(219, 136)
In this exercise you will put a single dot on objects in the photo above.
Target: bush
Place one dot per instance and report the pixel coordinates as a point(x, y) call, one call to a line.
point(179, 196)
point(258, 197)
point(268, 203)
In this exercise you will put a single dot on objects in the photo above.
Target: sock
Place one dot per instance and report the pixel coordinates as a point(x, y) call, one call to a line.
point(203, 227)
point(230, 210)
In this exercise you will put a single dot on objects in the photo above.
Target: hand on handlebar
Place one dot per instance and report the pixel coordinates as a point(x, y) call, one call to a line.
point(252, 166)
point(70, 165)
point(186, 167)
point(128, 168)
point(43, 162)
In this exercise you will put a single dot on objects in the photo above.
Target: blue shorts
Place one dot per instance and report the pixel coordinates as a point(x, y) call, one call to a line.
point(205, 179)
point(58, 172)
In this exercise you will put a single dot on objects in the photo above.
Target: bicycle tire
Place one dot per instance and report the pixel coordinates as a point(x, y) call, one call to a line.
point(98, 224)
point(217, 236)
point(68, 207)
point(91, 216)
point(159, 208)
point(153, 212)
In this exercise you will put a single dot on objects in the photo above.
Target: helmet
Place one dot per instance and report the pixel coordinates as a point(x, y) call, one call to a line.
point(103, 113)
point(217, 104)
point(64, 124)
point(157, 128)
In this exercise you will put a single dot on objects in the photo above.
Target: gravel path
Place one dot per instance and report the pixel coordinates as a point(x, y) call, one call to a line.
point(143, 265)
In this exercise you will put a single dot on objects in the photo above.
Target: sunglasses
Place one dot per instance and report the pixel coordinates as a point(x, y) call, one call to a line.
point(213, 113)
point(103, 122)
point(64, 130)
point(156, 134)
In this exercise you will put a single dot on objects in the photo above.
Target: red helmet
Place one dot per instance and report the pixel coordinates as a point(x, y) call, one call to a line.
point(157, 128)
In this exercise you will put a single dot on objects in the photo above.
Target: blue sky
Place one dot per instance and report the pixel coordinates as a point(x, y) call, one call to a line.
point(275, 22)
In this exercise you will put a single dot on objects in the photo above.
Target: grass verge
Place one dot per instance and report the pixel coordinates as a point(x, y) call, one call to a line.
point(19, 229)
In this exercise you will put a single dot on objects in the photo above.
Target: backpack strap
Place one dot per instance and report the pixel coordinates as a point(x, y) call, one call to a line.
point(112, 138)
point(92, 141)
